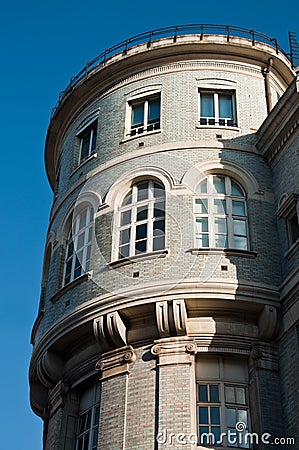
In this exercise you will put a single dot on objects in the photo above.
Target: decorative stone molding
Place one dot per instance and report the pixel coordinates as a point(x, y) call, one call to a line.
point(56, 396)
point(116, 362)
point(171, 318)
point(264, 356)
point(176, 350)
point(110, 331)
point(267, 323)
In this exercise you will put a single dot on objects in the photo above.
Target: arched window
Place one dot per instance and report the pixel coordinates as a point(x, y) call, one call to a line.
point(221, 214)
point(78, 247)
point(142, 219)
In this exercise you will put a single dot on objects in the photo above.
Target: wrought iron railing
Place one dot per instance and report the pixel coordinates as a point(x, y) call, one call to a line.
point(172, 32)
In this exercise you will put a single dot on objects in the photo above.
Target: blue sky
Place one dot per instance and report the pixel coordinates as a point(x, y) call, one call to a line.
point(43, 44)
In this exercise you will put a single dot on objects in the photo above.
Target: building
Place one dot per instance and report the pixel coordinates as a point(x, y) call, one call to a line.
point(169, 303)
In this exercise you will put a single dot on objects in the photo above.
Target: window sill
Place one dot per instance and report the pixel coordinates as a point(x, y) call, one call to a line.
point(137, 258)
point(92, 156)
point(225, 251)
point(292, 250)
point(217, 127)
point(86, 276)
point(141, 135)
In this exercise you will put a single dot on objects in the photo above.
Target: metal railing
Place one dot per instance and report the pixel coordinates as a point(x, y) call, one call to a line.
point(172, 32)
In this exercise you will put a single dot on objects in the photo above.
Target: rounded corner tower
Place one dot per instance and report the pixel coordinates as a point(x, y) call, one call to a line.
point(161, 311)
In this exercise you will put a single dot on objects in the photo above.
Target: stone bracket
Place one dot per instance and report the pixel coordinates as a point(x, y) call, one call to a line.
point(116, 362)
point(175, 350)
point(110, 331)
point(267, 323)
point(171, 318)
point(50, 369)
point(56, 396)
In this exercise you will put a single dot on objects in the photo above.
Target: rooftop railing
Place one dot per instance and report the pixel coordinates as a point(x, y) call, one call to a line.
point(171, 32)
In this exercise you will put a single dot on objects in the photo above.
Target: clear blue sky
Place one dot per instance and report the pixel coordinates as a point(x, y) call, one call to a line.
point(43, 44)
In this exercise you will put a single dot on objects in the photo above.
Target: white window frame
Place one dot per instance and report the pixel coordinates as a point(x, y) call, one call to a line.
point(80, 238)
point(149, 203)
point(216, 119)
point(89, 129)
point(228, 215)
point(142, 129)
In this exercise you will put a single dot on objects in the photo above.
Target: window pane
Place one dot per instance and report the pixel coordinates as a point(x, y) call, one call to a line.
point(140, 247)
point(124, 251)
point(240, 243)
point(137, 114)
point(201, 205)
point(128, 198)
point(202, 187)
point(240, 396)
point(94, 140)
point(202, 393)
point(216, 433)
point(158, 243)
point(219, 206)
point(125, 236)
point(207, 105)
point(220, 225)
point(80, 240)
point(85, 141)
point(214, 393)
point(219, 184)
point(202, 240)
point(142, 213)
point(205, 439)
point(70, 248)
point(86, 442)
point(95, 438)
point(215, 415)
point(203, 415)
point(159, 227)
point(240, 227)
point(202, 225)
point(82, 220)
point(230, 394)
point(141, 231)
point(225, 106)
point(125, 218)
point(153, 110)
point(242, 416)
point(238, 208)
point(142, 191)
point(159, 209)
point(220, 241)
point(231, 417)
point(236, 190)
point(158, 190)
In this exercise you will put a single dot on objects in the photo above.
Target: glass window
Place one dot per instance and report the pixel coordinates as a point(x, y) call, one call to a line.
point(142, 220)
point(88, 140)
point(221, 214)
point(78, 246)
point(89, 415)
point(145, 115)
point(221, 405)
point(217, 108)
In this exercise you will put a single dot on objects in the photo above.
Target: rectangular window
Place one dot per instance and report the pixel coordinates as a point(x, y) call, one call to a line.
point(88, 140)
point(144, 115)
point(217, 108)
point(89, 415)
point(222, 402)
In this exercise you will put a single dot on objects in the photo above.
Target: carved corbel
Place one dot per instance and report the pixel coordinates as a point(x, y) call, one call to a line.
point(50, 369)
point(176, 350)
point(110, 331)
point(116, 362)
point(171, 318)
point(56, 396)
point(267, 323)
